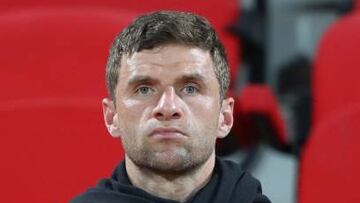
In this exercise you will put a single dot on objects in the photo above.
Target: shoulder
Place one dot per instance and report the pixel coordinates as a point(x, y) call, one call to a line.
point(246, 188)
point(112, 190)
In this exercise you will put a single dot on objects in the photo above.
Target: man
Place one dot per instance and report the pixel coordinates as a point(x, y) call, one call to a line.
point(167, 77)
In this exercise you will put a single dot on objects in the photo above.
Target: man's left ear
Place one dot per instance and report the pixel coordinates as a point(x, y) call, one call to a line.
point(226, 118)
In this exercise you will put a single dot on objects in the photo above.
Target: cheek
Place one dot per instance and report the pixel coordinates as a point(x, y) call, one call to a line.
point(134, 115)
point(131, 109)
point(206, 109)
point(130, 112)
point(205, 114)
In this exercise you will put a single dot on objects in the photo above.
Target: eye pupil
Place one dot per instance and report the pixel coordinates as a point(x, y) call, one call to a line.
point(190, 89)
point(144, 90)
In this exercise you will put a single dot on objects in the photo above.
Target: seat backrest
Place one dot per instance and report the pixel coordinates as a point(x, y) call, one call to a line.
point(336, 72)
point(258, 99)
point(330, 162)
point(54, 143)
point(220, 13)
point(52, 150)
point(56, 52)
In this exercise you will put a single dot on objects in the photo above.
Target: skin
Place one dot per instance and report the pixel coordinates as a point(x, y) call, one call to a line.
point(168, 115)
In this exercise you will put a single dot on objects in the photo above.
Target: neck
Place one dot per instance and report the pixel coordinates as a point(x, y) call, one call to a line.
point(178, 187)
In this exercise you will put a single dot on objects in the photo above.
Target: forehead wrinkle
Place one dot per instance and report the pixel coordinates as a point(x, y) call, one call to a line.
point(159, 56)
point(163, 64)
point(191, 69)
point(151, 62)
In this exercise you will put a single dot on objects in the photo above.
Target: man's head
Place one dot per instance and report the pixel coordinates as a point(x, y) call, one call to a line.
point(168, 74)
point(156, 29)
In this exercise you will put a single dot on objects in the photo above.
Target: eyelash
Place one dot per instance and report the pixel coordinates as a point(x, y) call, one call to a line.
point(138, 90)
point(150, 90)
point(196, 89)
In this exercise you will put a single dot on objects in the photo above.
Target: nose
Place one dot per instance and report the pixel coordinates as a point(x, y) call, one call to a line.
point(168, 107)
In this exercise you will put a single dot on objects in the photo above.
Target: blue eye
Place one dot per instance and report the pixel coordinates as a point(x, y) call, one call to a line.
point(190, 89)
point(144, 90)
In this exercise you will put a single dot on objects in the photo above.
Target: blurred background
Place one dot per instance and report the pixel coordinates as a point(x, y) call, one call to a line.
point(295, 78)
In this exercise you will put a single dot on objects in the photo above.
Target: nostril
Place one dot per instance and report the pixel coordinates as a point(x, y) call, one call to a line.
point(176, 115)
point(159, 115)
point(164, 116)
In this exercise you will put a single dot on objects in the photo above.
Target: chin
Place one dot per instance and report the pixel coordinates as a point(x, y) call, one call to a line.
point(172, 160)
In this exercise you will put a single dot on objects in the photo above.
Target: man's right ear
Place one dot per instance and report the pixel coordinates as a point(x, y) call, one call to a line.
point(111, 117)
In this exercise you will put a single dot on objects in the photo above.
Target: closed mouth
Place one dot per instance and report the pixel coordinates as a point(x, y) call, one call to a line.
point(167, 133)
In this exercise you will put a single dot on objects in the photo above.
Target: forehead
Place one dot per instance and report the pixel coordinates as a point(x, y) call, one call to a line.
point(168, 61)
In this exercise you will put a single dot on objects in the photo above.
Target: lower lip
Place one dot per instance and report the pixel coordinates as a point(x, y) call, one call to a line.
point(167, 135)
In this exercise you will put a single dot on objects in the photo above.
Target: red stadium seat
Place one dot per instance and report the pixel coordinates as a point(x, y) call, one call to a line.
point(336, 72)
point(258, 100)
point(52, 150)
point(52, 81)
point(56, 52)
point(330, 162)
point(220, 13)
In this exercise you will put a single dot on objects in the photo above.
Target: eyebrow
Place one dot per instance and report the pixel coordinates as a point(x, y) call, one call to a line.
point(142, 79)
point(145, 79)
point(192, 77)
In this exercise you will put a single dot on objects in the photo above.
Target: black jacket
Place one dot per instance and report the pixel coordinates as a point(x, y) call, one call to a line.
point(229, 184)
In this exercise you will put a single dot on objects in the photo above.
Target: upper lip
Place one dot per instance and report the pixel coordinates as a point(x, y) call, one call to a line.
point(166, 130)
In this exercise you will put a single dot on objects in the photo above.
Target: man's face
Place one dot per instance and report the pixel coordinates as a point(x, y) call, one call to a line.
point(168, 111)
